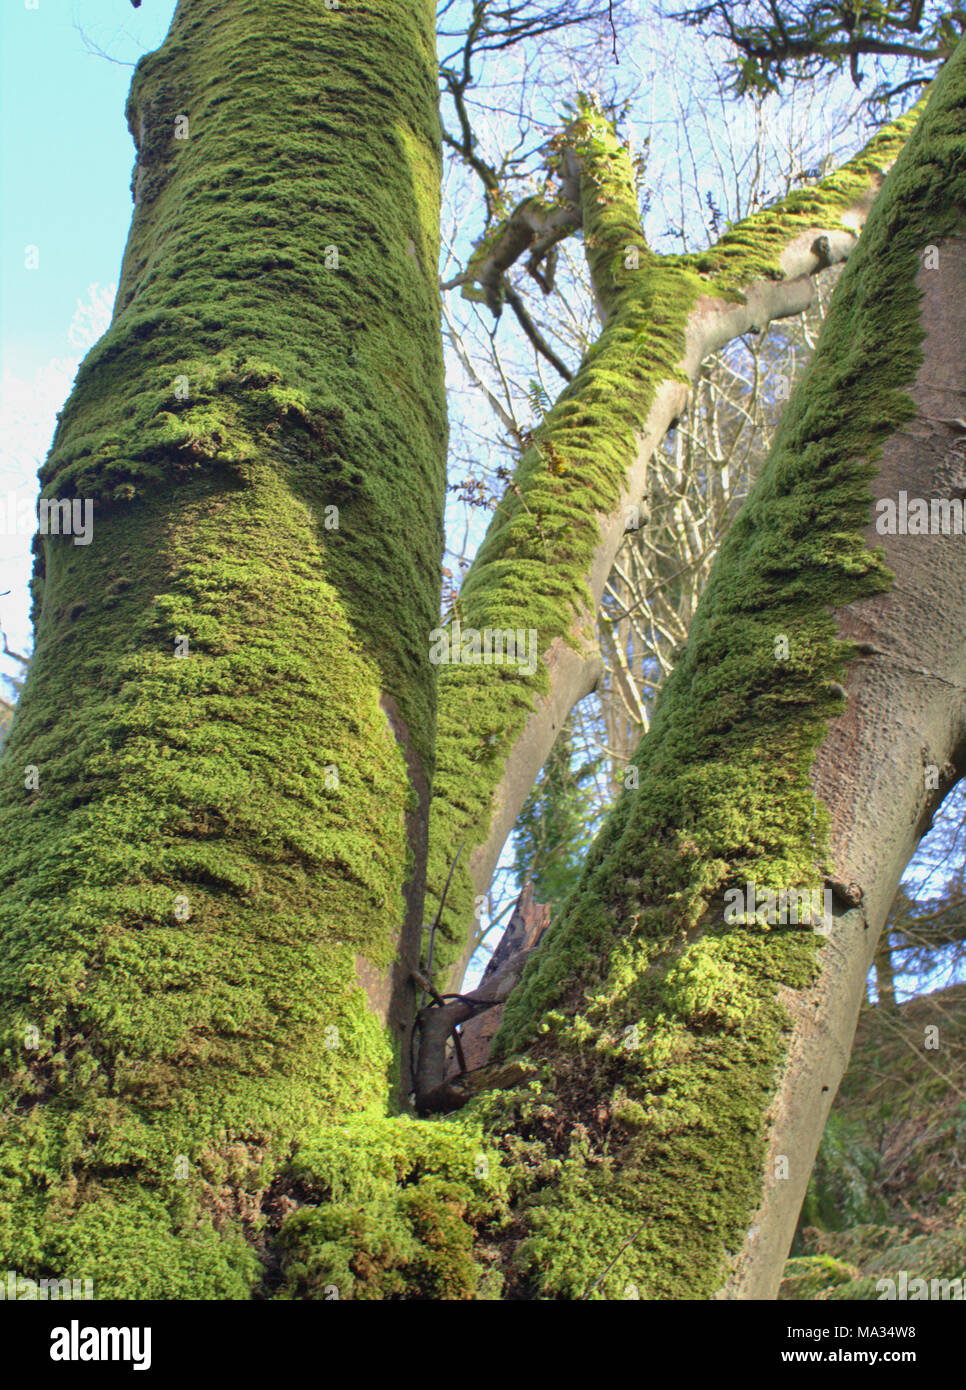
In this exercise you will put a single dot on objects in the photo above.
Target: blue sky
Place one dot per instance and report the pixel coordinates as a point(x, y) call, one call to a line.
point(65, 165)
point(66, 158)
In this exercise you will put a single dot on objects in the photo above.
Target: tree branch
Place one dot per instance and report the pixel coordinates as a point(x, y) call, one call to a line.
point(533, 333)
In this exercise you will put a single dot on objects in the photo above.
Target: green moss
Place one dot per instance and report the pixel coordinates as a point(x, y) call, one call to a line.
point(531, 570)
point(752, 247)
point(818, 1276)
point(131, 1241)
point(232, 244)
point(489, 245)
point(391, 1211)
point(219, 835)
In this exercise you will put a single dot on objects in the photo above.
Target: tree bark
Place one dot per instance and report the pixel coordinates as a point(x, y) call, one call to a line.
point(905, 717)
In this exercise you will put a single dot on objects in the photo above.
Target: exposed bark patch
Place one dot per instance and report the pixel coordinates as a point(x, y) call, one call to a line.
point(905, 717)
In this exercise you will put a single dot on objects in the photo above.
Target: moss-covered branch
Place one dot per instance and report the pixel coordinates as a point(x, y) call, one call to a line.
point(621, 1149)
point(555, 534)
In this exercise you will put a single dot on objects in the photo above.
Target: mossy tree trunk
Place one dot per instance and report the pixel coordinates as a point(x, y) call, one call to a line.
point(216, 786)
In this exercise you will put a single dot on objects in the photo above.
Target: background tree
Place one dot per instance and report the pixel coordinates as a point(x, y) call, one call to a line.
point(555, 826)
point(773, 41)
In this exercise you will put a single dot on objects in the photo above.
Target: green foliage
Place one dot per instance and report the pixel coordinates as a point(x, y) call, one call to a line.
point(821, 1277)
point(886, 1192)
point(540, 402)
point(844, 1188)
point(849, 1264)
point(555, 826)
